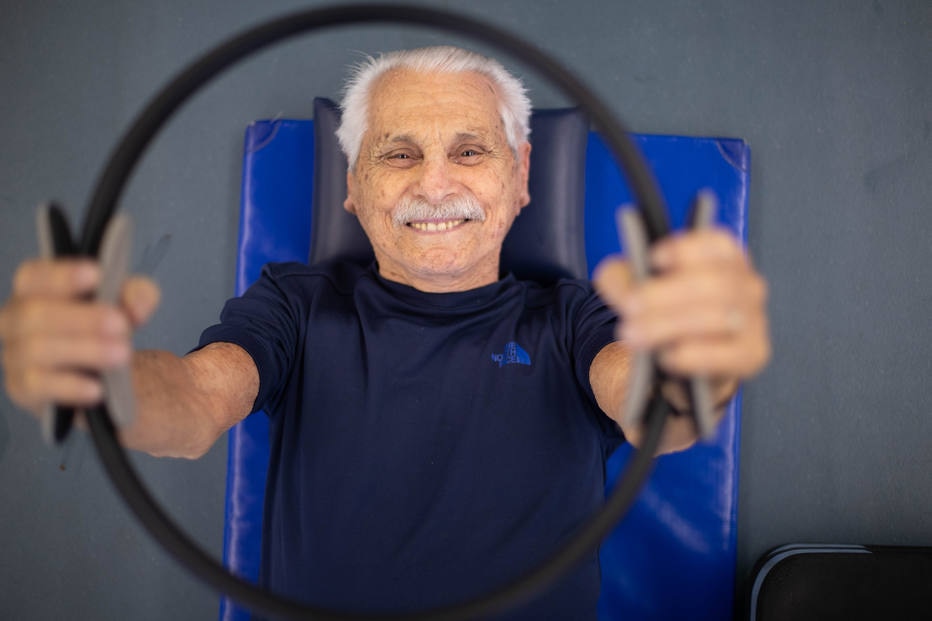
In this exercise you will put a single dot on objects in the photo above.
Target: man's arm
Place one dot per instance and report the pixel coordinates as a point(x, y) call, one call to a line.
point(609, 376)
point(702, 313)
point(51, 337)
point(183, 404)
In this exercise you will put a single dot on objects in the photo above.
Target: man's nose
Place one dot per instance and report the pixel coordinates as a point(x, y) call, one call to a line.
point(438, 180)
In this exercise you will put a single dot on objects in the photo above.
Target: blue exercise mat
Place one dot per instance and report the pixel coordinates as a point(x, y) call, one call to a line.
point(673, 557)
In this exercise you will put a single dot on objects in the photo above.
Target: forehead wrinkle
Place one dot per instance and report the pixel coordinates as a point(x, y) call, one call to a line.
point(471, 135)
point(416, 121)
point(385, 140)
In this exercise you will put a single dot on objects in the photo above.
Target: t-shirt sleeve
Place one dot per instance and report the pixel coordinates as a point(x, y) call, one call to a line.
point(265, 322)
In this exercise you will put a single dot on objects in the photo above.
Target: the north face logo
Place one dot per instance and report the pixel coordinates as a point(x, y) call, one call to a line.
point(513, 355)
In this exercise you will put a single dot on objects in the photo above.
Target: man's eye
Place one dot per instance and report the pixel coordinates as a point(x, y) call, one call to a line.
point(469, 155)
point(399, 158)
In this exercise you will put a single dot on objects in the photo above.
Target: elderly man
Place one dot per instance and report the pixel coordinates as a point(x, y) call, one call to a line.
point(409, 468)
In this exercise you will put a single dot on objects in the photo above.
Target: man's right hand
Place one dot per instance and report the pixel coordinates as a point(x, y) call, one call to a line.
point(51, 336)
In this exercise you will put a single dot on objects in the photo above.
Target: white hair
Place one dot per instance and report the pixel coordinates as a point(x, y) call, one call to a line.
point(514, 105)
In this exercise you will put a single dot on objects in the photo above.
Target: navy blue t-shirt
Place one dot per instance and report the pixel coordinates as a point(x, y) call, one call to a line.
point(425, 447)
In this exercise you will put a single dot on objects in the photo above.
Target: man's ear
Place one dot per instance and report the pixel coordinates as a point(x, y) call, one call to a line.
point(350, 203)
point(524, 172)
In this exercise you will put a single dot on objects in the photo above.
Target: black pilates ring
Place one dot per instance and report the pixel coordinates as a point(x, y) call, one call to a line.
point(103, 204)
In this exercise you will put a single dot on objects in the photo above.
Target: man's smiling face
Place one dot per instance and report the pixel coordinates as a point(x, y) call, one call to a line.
point(436, 185)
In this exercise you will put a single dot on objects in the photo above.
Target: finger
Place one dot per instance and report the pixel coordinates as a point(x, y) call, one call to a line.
point(84, 352)
point(707, 245)
point(52, 318)
point(736, 358)
point(5, 325)
point(59, 278)
point(711, 321)
point(140, 298)
point(687, 290)
point(35, 389)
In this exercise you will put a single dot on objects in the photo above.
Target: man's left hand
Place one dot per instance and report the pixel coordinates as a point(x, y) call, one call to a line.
point(703, 311)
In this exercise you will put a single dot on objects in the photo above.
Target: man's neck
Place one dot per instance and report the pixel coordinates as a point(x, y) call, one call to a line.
point(441, 282)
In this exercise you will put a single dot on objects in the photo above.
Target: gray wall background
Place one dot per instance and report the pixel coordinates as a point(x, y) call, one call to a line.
point(833, 97)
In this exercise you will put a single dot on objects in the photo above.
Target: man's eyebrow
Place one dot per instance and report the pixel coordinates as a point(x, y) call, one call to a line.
point(470, 137)
point(389, 140)
point(460, 136)
point(398, 139)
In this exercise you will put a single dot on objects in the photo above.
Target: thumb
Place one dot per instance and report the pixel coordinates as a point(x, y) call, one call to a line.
point(613, 280)
point(140, 298)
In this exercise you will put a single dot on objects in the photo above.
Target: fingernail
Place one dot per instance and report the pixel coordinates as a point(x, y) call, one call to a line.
point(85, 275)
point(661, 257)
point(115, 322)
point(118, 354)
point(631, 335)
point(91, 391)
point(631, 304)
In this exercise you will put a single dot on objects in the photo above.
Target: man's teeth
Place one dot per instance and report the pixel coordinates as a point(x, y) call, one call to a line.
point(431, 227)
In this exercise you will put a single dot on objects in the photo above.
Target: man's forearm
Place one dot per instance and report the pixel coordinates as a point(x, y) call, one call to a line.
point(609, 377)
point(184, 404)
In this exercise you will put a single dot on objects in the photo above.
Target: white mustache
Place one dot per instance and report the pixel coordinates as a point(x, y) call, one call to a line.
point(460, 207)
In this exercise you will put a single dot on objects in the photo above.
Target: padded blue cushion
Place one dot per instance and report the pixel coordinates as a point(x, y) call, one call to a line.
point(674, 554)
point(673, 557)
